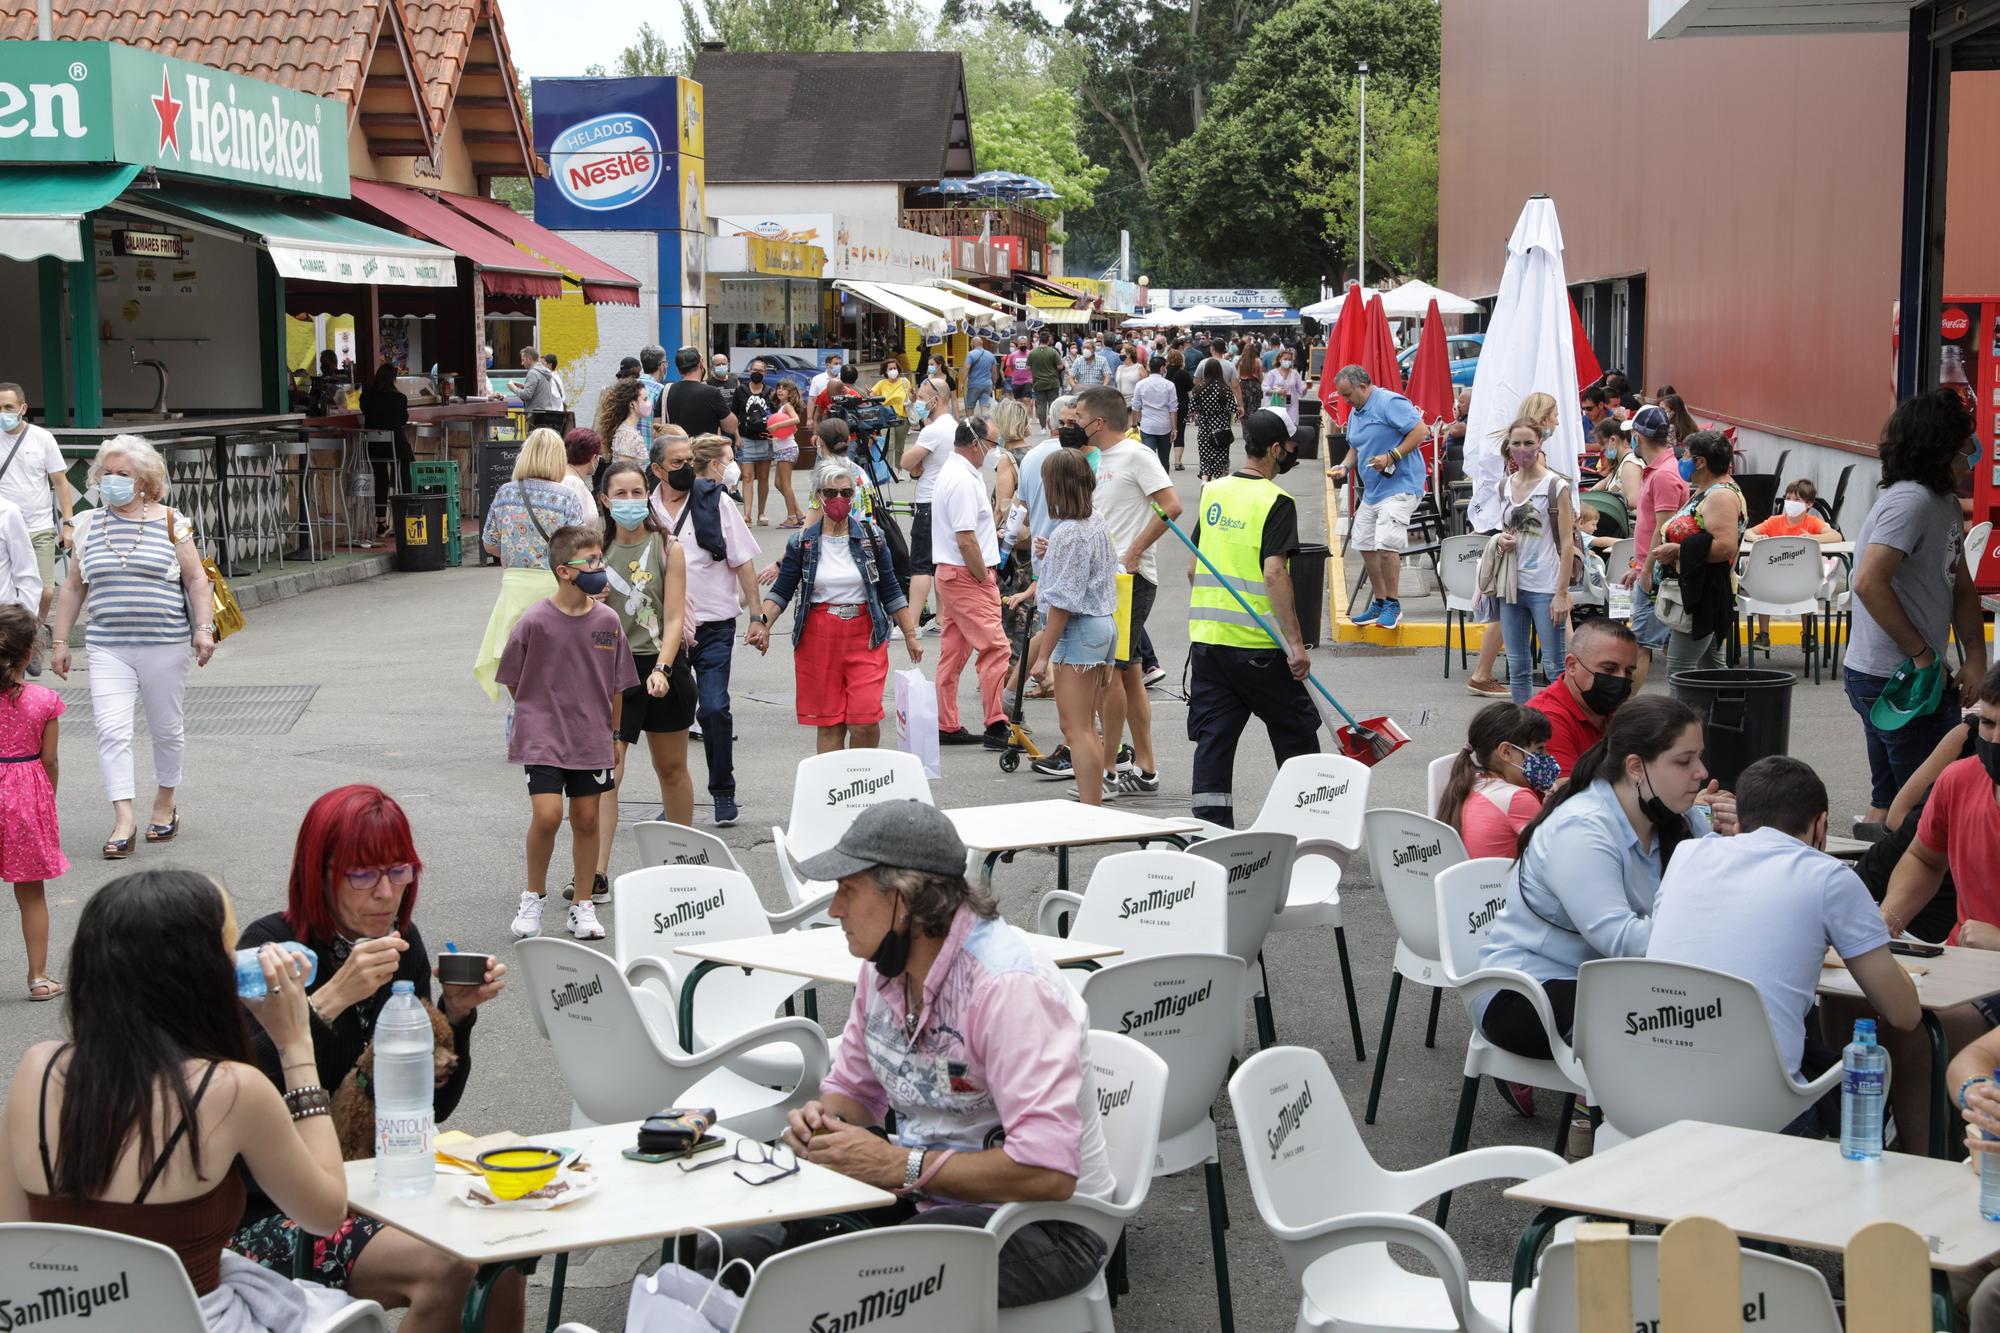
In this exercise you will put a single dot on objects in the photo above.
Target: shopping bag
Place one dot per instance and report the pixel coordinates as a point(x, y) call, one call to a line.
point(917, 719)
point(679, 1300)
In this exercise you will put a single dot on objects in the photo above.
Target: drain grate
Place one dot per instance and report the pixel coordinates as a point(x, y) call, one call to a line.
point(224, 710)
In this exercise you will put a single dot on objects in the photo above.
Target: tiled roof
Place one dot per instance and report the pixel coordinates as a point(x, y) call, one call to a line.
point(767, 114)
point(440, 35)
point(314, 46)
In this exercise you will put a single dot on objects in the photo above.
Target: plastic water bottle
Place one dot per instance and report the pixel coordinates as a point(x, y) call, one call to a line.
point(250, 972)
point(1863, 1065)
point(405, 1151)
point(1989, 1178)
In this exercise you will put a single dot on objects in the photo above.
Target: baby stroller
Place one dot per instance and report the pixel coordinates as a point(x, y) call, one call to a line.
point(1019, 624)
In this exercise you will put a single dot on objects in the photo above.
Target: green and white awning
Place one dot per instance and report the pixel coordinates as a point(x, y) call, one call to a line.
point(42, 209)
point(309, 243)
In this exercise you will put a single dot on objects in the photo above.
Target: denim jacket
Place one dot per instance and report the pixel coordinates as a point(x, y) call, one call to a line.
point(878, 578)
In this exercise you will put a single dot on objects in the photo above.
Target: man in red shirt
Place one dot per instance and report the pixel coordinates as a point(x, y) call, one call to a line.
point(1597, 677)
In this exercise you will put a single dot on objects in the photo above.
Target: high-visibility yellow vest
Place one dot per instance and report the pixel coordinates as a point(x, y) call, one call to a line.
point(1233, 510)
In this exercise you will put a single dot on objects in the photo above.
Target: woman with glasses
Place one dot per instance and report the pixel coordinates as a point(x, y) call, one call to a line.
point(352, 901)
point(840, 571)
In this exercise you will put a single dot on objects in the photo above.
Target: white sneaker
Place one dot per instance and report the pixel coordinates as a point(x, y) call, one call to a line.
point(583, 922)
point(528, 921)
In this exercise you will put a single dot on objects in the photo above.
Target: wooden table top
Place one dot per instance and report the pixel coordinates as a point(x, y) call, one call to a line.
point(1957, 976)
point(1774, 1187)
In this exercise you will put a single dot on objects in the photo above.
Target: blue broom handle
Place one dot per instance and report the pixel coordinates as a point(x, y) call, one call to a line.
point(1249, 610)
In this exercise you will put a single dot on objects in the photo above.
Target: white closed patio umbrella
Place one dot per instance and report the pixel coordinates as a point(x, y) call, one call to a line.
point(1528, 348)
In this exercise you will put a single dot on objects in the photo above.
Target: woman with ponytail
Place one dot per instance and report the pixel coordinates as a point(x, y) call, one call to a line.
point(1590, 864)
point(1499, 780)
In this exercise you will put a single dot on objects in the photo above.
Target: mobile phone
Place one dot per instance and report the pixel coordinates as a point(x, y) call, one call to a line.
point(1912, 949)
point(655, 1158)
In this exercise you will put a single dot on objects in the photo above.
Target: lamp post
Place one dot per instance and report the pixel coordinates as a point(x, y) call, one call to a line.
point(1361, 171)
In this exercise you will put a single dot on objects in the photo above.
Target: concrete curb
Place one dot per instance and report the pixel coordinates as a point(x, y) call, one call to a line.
point(263, 592)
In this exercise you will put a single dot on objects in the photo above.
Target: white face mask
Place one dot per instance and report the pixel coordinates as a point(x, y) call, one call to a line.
point(732, 475)
point(1796, 509)
point(893, 373)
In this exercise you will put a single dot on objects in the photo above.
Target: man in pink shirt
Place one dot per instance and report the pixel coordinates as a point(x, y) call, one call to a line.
point(1661, 492)
point(976, 1042)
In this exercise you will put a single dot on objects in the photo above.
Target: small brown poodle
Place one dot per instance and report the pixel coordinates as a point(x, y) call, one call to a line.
point(354, 1102)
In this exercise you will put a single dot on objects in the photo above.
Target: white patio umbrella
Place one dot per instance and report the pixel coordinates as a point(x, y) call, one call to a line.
point(1196, 316)
point(1413, 299)
point(1324, 311)
point(1528, 349)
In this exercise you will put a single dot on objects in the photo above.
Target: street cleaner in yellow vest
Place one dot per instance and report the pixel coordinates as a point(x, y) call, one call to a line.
point(1249, 530)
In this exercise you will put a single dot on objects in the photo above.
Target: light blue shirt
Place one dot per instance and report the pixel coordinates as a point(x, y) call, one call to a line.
point(1030, 489)
point(1088, 371)
point(1583, 890)
point(1373, 429)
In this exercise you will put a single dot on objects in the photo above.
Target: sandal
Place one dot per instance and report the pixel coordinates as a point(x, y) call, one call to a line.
point(117, 849)
point(164, 832)
point(793, 523)
point(44, 988)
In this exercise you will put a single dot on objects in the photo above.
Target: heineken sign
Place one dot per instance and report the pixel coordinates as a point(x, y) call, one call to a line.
point(102, 102)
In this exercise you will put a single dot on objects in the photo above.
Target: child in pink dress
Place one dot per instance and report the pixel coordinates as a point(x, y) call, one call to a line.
point(30, 843)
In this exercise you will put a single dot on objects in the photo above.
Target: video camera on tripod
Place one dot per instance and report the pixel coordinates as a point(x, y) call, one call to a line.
point(867, 417)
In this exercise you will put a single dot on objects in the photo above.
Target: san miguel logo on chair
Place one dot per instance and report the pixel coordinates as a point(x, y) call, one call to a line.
point(858, 788)
point(576, 992)
point(1322, 793)
point(63, 1303)
point(1155, 900)
point(1479, 920)
point(686, 912)
point(887, 1303)
point(1672, 1018)
point(1418, 852)
point(1289, 1116)
point(1245, 870)
point(1167, 1006)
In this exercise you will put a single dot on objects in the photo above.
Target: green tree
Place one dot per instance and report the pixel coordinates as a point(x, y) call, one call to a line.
point(1402, 179)
point(1230, 194)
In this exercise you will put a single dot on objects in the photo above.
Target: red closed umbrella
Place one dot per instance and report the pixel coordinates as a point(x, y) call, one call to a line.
point(1588, 371)
point(1430, 388)
point(1379, 360)
point(1348, 348)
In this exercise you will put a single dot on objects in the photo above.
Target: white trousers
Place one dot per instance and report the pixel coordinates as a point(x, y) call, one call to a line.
point(119, 677)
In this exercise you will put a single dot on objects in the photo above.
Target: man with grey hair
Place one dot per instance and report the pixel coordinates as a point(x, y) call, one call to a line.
point(948, 986)
point(653, 361)
point(1384, 431)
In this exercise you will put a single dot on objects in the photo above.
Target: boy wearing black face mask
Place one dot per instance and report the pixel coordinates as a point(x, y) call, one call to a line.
point(567, 665)
point(1596, 679)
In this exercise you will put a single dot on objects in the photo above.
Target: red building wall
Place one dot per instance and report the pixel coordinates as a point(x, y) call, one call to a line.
point(1755, 181)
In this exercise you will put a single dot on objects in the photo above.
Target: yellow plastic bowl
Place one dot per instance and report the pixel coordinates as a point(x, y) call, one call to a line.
point(512, 1172)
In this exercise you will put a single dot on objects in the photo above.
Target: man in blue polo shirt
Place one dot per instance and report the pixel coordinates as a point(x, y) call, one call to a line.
point(1383, 434)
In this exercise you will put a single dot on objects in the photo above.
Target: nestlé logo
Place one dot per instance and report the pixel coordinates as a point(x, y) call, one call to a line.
point(606, 162)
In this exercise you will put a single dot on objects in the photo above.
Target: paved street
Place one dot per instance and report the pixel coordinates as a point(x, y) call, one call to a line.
point(392, 701)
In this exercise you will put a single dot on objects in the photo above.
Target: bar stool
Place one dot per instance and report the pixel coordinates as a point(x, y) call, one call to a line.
point(326, 483)
point(293, 465)
point(428, 441)
point(250, 509)
point(196, 490)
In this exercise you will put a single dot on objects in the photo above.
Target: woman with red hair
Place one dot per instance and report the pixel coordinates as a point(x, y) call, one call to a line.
point(355, 872)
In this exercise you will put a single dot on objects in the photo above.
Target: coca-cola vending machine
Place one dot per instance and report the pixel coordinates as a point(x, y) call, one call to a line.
point(1969, 365)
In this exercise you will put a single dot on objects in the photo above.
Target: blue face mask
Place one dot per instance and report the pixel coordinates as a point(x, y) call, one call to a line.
point(919, 411)
point(11, 422)
point(1092, 458)
point(116, 490)
point(1540, 771)
point(628, 513)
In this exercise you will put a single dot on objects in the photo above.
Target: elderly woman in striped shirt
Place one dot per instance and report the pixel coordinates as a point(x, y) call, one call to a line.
point(137, 569)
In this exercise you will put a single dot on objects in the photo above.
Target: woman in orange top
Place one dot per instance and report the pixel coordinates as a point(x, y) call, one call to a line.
point(1797, 520)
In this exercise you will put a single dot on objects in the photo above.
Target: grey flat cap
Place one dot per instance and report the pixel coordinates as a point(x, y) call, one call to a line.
point(905, 835)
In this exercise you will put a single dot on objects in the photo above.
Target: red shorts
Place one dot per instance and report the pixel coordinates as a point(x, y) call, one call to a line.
point(840, 678)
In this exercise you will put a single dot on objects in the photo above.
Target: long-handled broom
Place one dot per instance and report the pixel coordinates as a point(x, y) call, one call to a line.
point(1368, 742)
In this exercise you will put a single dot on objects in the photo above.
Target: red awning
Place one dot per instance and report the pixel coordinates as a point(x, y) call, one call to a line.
point(602, 284)
point(503, 270)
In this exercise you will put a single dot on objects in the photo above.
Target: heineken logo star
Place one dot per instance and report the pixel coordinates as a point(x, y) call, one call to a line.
point(169, 112)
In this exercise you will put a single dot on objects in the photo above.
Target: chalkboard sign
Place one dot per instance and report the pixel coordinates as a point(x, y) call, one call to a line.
point(496, 469)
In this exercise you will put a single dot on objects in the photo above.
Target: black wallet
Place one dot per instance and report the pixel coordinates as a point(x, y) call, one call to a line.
point(676, 1129)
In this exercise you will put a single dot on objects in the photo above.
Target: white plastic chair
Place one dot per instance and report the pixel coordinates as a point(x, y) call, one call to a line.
point(1186, 1008)
point(1469, 897)
point(906, 1279)
point(831, 788)
point(1334, 1211)
point(1458, 570)
point(656, 909)
point(1318, 799)
point(1259, 869)
point(1789, 1297)
point(141, 1283)
point(1407, 850)
point(664, 843)
point(1436, 774)
point(1148, 902)
point(618, 1052)
point(1782, 576)
point(798, 889)
point(1131, 1085)
point(1712, 1057)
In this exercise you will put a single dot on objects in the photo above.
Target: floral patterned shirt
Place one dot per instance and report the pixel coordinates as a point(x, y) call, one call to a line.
point(510, 530)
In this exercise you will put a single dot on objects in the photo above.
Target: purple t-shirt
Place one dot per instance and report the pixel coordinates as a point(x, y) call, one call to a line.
point(564, 671)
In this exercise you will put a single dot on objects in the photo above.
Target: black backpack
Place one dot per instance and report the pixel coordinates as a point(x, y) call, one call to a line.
point(756, 417)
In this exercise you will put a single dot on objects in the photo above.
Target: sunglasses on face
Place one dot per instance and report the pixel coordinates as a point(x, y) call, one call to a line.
point(847, 494)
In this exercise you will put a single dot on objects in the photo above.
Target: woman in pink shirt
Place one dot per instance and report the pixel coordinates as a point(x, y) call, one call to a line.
point(1499, 779)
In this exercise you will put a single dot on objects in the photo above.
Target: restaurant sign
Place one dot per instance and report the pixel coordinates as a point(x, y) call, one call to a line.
point(790, 259)
point(103, 102)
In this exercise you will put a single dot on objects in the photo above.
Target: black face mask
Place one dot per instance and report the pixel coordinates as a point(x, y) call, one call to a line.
point(681, 478)
point(1073, 436)
point(1989, 756)
point(892, 955)
point(1672, 828)
point(1606, 692)
point(1287, 460)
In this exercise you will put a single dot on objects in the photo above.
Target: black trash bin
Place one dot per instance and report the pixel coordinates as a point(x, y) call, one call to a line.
point(421, 534)
point(1746, 715)
point(1309, 589)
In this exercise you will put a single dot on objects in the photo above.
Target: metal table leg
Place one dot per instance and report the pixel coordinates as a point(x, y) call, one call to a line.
point(1524, 1251)
point(1941, 1108)
point(701, 969)
point(473, 1320)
